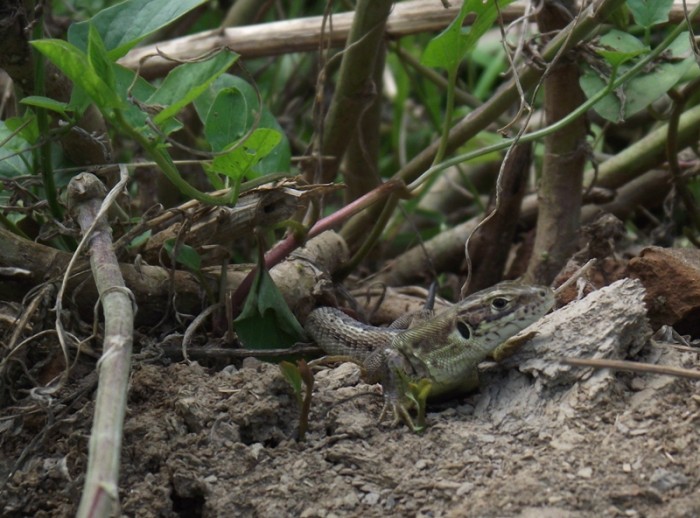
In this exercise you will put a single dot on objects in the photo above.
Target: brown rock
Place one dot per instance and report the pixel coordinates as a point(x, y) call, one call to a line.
point(671, 277)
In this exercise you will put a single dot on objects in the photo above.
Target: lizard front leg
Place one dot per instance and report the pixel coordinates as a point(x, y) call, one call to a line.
point(402, 388)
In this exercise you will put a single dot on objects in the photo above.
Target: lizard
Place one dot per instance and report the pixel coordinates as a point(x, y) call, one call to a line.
point(438, 354)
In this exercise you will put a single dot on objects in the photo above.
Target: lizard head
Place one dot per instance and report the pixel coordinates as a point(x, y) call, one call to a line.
point(447, 348)
point(493, 315)
point(479, 323)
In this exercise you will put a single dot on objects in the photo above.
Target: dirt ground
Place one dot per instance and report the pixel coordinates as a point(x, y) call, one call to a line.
point(200, 442)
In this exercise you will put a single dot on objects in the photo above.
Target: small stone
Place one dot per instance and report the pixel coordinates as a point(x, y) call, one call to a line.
point(255, 449)
point(638, 384)
point(586, 472)
point(465, 409)
point(464, 489)
point(567, 441)
point(422, 464)
point(626, 467)
point(370, 498)
point(250, 363)
point(229, 370)
point(663, 480)
point(350, 500)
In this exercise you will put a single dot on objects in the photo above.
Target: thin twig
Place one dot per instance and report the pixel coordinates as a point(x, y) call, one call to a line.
point(632, 367)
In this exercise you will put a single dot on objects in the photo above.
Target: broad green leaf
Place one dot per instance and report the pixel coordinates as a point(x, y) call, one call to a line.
point(227, 119)
point(279, 158)
point(15, 155)
point(140, 91)
point(125, 24)
point(187, 82)
point(646, 88)
point(140, 240)
point(46, 103)
point(448, 48)
point(642, 90)
point(76, 66)
point(186, 255)
point(240, 162)
point(266, 321)
point(29, 132)
point(97, 55)
point(276, 160)
point(79, 100)
point(204, 103)
point(617, 47)
point(619, 17)
point(649, 12)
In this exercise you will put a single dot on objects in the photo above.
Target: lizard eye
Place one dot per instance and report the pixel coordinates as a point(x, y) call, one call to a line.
point(464, 330)
point(499, 303)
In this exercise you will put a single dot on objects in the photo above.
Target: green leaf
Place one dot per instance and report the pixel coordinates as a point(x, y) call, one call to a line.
point(186, 255)
point(15, 156)
point(650, 12)
point(97, 55)
point(293, 376)
point(140, 240)
point(643, 89)
point(140, 91)
point(279, 159)
point(240, 162)
point(227, 119)
point(266, 321)
point(619, 47)
point(619, 17)
point(46, 103)
point(27, 131)
point(448, 48)
point(79, 100)
point(125, 24)
point(187, 82)
point(76, 66)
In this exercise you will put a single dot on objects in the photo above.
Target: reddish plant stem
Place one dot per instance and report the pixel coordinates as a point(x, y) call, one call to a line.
point(292, 241)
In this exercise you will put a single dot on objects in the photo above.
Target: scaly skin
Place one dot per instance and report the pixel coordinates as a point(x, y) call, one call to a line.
point(445, 349)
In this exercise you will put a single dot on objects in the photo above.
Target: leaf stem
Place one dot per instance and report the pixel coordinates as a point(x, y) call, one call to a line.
point(42, 118)
point(449, 110)
point(165, 163)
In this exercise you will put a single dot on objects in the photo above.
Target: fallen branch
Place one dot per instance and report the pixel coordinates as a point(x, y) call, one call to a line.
point(100, 494)
point(298, 35)
point(305, 34)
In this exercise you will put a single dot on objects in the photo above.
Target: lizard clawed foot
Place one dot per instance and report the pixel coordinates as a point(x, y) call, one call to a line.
point(415, 395)
point(401, 413)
